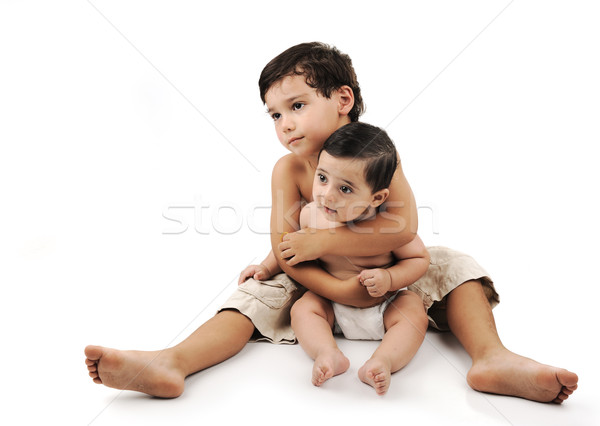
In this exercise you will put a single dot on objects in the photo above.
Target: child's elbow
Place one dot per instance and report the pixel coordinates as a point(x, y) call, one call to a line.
point(426, 256)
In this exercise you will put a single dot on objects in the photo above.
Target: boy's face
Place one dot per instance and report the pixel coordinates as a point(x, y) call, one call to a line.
point(303, 118)
point(341, 191)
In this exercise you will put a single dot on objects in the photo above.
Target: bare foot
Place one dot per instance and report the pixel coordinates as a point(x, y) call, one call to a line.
point(328, 363)
point(507, 373)
point(376, 373)
point(153, 373)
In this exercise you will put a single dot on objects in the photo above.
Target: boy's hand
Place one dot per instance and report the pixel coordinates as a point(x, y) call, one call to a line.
point(258, 272)
point(300, 246)
point(377, 281)
point(354, 282)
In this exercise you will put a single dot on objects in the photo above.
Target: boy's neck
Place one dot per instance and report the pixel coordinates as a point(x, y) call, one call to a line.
point(312, 161)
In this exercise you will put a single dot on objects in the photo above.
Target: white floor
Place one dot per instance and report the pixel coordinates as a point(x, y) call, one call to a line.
point(135, 160)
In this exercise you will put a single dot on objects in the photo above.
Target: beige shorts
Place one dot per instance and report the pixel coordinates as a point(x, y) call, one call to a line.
point(447, 270)
point(267, 304)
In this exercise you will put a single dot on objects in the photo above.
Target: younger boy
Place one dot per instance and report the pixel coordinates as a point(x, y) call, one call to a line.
point(355, 168)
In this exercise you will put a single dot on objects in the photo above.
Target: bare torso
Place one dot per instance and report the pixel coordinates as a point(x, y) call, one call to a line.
point(342, 267)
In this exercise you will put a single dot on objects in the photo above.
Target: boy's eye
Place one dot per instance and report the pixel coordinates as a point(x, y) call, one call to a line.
point(276, 116)
point(345, 189)
point(297, 106)
point(322, 178)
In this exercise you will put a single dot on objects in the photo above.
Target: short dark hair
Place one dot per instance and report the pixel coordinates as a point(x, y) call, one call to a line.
point(324, 67)
point(369, 143)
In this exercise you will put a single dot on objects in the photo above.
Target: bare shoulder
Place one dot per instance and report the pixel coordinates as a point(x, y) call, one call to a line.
point(288, 166)
point(307, 215)
point(291, 170)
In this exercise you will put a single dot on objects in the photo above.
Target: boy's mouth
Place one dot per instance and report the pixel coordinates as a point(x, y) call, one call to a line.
point(328, 210)
point(294, 140)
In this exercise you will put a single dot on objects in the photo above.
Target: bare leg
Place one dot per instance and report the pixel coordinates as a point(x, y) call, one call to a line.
point(312, 321)
point(406, 323)
point(162, 373)
point(495, 369)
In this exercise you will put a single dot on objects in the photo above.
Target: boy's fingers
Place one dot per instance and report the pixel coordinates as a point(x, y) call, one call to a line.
point(366, 274)
point(243, 277)
point(363, 280)
point(292, 261)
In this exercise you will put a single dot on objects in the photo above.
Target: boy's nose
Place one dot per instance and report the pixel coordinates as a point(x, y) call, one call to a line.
point(287, 124)
point(329, 195)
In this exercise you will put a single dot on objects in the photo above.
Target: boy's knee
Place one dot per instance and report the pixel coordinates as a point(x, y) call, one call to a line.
point(303, 305)
point(297, 308)
point(410, 306)
point(310, 304)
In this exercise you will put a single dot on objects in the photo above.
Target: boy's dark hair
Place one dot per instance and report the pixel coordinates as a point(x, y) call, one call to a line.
point(325, 69)
point(362, 141)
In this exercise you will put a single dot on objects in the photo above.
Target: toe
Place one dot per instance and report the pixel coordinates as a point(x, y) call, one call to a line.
point(567, 378)
point(93, 353)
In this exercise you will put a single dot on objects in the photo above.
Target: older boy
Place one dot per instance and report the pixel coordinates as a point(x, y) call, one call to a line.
point(261, 310)
point(311, 91)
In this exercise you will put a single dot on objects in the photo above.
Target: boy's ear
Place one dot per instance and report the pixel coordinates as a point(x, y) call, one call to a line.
point(379, 197)
point(345, 100)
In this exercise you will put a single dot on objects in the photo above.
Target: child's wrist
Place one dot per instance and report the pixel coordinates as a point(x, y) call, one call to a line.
point(268, 270)
point(390, 277)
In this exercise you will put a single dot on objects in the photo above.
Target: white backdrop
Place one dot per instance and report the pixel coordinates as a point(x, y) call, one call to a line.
point(135, 165)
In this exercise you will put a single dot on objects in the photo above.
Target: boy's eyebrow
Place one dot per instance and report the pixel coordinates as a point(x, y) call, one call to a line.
point(346, 181)
point(349, 183)
point(290, 100)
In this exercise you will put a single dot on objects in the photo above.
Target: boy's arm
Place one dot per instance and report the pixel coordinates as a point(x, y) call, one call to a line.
point(285, 215)
point(413, 261)
point(394, 227)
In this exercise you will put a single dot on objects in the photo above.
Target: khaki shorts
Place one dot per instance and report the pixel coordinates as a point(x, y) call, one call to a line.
point(447, 270)
point(267, 304)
